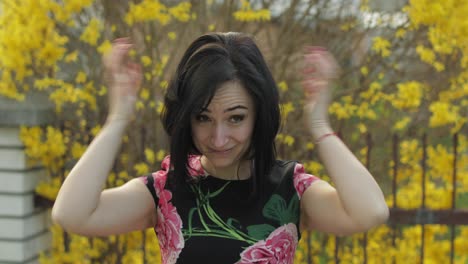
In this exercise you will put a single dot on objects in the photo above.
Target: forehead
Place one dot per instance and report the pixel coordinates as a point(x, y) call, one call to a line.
point(230, 94)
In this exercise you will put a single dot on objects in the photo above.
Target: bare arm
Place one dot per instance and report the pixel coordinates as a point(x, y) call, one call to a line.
point(81, 205)
point(357, 204)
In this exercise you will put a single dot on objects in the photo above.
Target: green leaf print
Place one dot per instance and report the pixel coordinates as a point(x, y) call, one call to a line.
point(260, 232)
point(212, 225)
point(234, 223)
point(293, 209)
point(276, 209)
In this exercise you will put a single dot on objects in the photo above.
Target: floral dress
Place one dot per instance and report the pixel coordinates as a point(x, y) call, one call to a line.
point(209, 220)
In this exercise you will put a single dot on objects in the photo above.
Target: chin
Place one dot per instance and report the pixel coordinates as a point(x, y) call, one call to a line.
point(222, 162)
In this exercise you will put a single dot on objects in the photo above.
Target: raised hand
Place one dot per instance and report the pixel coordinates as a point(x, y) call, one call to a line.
point(124, 80)
point(319, 71)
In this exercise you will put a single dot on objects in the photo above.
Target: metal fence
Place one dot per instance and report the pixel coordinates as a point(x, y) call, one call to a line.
point(422, 216)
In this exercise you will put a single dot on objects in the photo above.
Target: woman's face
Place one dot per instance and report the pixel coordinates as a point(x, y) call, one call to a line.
point(222, 132)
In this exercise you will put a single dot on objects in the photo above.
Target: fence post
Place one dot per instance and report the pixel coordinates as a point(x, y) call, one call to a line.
point(423, 182)
point(23, 226)
point(454, 196)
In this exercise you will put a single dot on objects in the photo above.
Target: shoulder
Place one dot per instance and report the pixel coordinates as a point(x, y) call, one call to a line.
point(156, 181)
point(292, 172)
point(159, 178)
point(301, 179)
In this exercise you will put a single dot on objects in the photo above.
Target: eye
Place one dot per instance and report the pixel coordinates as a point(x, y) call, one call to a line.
point(236, 118)
point(202, 118)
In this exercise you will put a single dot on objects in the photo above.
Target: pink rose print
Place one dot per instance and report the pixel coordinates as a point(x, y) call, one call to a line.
point(168, 228)
point(278, 248)
point(169, 225)
point(302, 180)
point(165, 163)
point(194, 166)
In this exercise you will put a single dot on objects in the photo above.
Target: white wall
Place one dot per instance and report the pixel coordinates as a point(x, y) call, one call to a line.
point(23, 226)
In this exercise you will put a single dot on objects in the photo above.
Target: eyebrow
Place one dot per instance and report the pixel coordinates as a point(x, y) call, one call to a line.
point(229, 109)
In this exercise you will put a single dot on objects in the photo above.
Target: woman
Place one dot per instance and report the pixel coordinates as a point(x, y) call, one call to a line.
point(221, 196)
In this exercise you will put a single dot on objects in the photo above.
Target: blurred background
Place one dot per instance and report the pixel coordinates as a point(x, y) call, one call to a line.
point(401, 105)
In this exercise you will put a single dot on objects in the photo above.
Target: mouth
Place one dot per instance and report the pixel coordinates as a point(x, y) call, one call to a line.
point(221, 152)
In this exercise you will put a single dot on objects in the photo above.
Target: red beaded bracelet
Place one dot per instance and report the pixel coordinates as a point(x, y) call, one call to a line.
point(324, 136)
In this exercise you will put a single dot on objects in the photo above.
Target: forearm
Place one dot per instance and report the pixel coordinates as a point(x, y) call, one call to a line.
point(79, 195)
point(359, 193)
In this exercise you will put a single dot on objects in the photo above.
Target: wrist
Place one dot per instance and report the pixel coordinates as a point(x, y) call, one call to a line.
point(117, 119)
point(319, 131)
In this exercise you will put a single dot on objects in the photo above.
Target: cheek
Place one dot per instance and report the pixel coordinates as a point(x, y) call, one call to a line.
point(244, 134)
point(198, 136)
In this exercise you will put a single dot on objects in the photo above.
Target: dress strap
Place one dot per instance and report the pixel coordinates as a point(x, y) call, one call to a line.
point(150, 185)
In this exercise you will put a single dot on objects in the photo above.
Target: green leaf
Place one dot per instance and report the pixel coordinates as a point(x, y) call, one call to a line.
point(233, 223)
point(217, 192)
point(293, 210)
point(260, 232)
point(275, 208)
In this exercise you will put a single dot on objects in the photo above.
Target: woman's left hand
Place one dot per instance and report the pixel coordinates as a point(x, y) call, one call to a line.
point(319, 71)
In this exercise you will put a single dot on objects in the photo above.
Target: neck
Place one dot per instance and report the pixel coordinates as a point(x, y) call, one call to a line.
point(238, 171)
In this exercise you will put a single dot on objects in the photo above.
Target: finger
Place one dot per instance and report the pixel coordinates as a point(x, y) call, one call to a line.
point(121, 51)
point(136, 72)
point(123, 40)
point(310, 96)
point(309, 48)
point(309, 70)
point(309, 84)
point(117, 56)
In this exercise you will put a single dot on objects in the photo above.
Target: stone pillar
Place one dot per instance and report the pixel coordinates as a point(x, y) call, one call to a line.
point(23, 226)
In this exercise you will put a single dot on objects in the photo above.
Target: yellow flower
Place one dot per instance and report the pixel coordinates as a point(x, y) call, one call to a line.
point(181, 11)
point(147, 10)
point(146, 60)
point(348, 25)
point(163, 84)
point(211, 27)
point(402, 124)
point(283, 86)
point(400, 33)
point(144, 94)
point(80, 77)
point(285, 110)
point(289, 140)
point(150, 156)
point(141, 168)
point(442, 114)
point(364, 71)
point(104, 47)
point(382, 46)
point(362, 128)
point(246, 14)
point(409, 95)
point(72, 57)
point(160, 108)
point(92, 33)
point(343, 110)
point(160, 154)
point(172, 35)
point(95, 130)
point(77, 150)
point(139, 105)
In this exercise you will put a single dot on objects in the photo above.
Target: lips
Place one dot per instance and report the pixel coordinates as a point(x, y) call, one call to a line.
point(220, 152)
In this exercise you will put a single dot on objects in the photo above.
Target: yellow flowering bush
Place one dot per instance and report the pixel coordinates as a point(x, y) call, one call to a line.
point(399, 79)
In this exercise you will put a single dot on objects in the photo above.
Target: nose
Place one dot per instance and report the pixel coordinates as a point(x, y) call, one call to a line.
point(219, 136)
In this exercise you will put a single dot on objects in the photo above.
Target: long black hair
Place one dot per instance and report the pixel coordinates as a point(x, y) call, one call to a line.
point(210, 61)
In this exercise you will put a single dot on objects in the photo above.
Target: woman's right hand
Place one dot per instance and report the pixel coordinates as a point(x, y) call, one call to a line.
point(124, 80)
